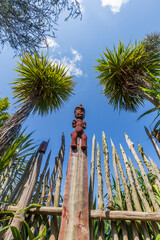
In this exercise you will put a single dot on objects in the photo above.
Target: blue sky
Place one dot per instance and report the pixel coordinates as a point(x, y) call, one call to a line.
point(78, 43)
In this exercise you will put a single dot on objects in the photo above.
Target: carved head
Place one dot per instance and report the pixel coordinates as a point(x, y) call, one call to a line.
point(79, 112)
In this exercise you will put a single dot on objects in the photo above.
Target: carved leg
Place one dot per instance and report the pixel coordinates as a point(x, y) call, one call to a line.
point(74, 139)
point(84, 141)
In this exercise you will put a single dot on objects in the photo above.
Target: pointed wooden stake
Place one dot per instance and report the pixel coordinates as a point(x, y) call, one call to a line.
point(153, 142)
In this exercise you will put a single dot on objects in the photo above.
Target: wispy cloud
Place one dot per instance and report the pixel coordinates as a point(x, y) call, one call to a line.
point(115, 5)
point(72, 63)
point(50, 42)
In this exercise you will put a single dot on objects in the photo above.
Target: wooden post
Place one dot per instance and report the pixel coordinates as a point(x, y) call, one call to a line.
point(134, 193)
point(144, 175)
point(118, 190)
point(153, 142)
point(91, 187)
point(26, 196)
point(142, 197)
point(60, 158)
point(100, 195)
point(75, 214)
point(109, 186)
point(127, 194)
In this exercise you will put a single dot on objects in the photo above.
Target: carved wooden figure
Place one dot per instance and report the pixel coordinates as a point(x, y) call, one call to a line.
point(79, 124)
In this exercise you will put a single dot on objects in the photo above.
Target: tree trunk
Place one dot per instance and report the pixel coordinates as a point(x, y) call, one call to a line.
point(11, 128)
point(152, 99)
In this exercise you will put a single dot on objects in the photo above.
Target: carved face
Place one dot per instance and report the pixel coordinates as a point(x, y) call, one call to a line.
point(79, 112)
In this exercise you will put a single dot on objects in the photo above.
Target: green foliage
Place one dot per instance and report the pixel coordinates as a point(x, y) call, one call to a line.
point(24, 24)
point(42, 82)
point(158, 237)
point(154, 92)
point(18, 235)
point(21, 147)
point(123, 71)
point(156, 193)
point(4, 105)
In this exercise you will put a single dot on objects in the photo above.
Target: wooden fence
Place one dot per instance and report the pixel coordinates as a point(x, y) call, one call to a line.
point(132, 210)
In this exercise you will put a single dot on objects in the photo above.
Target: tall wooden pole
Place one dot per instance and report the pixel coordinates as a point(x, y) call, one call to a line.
point(75, 213)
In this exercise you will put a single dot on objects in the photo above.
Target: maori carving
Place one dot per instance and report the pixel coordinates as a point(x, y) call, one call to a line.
point(79, 124)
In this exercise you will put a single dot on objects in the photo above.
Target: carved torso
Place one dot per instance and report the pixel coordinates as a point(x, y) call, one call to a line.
point(79, 124)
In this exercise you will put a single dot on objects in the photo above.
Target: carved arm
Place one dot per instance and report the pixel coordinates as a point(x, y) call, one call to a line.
point(74, 123)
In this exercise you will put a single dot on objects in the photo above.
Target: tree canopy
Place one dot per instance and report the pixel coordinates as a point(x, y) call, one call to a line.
point(125, 71)
point(24, 24)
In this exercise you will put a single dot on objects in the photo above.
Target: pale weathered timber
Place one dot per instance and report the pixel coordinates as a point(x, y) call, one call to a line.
point(134, 192)
point(35, 198)
point(156, 169)
point(75, 215)
point(60, 159)
point(127, 194)
point(94, 214)
point(50, 192)
point(91, 186)
point(118, 190)
point(10, 181)
point(153, 142)
point(41, 201)
point(143, 198)
point(7, 180)
point(143, 173)
point(151, 169)
point(52, 181)
point(2, 177)
point(23, 178)
point(100, 194)
point(44, 188)
point(108, 183)
point(25, 198)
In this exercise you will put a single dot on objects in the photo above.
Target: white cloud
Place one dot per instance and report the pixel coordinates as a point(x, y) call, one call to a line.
point(72, 63)
point(50, 42)
point(115, 5)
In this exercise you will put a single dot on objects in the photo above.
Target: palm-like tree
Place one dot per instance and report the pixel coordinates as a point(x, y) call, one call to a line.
point(42, 86)
point(124, 72)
